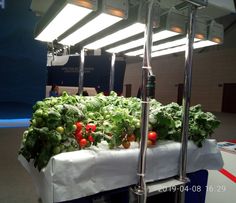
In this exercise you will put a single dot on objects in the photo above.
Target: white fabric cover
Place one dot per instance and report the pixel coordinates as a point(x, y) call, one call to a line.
point(82, 173)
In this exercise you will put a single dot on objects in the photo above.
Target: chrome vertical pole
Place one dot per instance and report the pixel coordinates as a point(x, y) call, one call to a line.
point(53, 56)
point(81, 71)
point(141, 188)
point(112, 72)
point(186, 96)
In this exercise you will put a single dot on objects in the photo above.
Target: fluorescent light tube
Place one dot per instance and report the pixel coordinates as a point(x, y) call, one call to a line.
point(66, 18)
point(139, 42)
point(134, 53)
point(129, 45)
point(129, 31)
point(196, 45)
point(168, 51)
point(94, 26)
point(163, 35)
point(158, 47)
point(205, 43)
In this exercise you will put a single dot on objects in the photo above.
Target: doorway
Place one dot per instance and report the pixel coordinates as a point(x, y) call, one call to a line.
point(180, 93)
point(128, 88)
point(229, 98)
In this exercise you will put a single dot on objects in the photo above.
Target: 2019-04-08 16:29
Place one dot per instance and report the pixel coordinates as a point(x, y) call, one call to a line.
point(195, 188)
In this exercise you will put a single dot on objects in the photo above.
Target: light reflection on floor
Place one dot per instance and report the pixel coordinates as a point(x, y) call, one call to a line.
point(14, 123)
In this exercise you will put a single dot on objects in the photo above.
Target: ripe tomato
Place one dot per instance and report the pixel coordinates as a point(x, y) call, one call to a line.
point(152, 136)
point(90, 138)
point(126, 144)
point(90, 127)
point(83, 142)
point(79, 125)
point(131, 138)
point(79, 135)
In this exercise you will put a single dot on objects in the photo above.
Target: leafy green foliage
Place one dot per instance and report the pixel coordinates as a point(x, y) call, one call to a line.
point(53, 130)
point(167, 121)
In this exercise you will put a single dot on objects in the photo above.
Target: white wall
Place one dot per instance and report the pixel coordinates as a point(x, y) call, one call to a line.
point(210, 68)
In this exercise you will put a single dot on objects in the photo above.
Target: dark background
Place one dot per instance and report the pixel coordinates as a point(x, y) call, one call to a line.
point(22, 59)
point(96, 73)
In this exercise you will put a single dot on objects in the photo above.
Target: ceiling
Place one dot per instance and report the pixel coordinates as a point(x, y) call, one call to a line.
point(40, 7)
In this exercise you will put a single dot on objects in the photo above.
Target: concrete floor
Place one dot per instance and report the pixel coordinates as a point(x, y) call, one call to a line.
point(227, 129)
point(16, 185)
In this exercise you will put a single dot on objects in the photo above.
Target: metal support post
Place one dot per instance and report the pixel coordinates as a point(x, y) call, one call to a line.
point(53, 56)
point(141, 188)
point(112, 72)
point(81, 71)
point(187, 96)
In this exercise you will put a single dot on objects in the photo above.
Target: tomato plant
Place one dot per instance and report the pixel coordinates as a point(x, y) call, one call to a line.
point(67, 123)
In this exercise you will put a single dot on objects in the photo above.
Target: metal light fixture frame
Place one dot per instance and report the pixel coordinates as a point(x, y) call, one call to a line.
point(201, 34)
point(215, 33)
point(192, 11)
point(172, 22)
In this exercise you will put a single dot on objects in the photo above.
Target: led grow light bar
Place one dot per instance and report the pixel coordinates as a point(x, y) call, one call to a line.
point(129, 31)
point(55, 22)
point(172, 24)
point(215, 37)
point(139, 42)
point(131, 27)
point(201, 34)
point(162, 46)
point(94, 26)
point(196, 45)
point(110, 13)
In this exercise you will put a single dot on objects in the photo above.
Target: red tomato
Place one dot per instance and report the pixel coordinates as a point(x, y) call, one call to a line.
point(90, 138)
point(90, 127)
point(79, 125)
point(79, 135)
point(83, 142)
point(152, 136)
